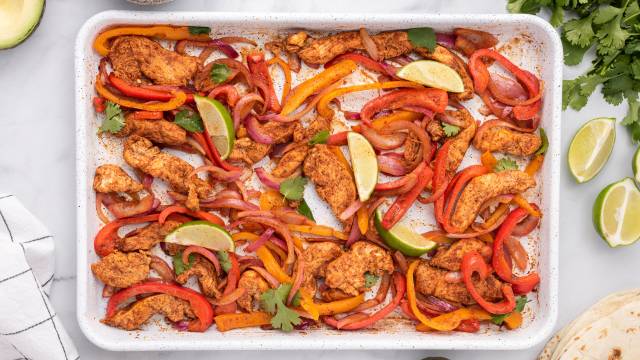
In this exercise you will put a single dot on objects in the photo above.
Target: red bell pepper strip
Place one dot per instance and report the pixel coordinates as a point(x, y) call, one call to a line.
point(214, 154)
point(105, 241)
point(481, 78)
point(147, 115)
point(138, 92)
point(456, 189)
point(233, 276)
point(403, 202)
point(439, 181)
point(366, 62)
point(399, 284)
point(202, 215)
point(338, 139)
point(469, 326)
point(473, 262)
point(260, 72)
point(522, 284)
point(98, 104)
point(435, 100)
point(199, 304)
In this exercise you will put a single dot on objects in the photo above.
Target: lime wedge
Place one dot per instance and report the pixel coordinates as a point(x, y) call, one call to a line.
point(433, 74)
point(591, 147)
point(218, 122)
point(402, 238)
point(201, 233)
point(616, 213)
point(636, 165)
point(365, 164)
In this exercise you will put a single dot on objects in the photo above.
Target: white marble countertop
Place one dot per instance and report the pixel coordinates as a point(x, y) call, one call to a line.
point(37, 164)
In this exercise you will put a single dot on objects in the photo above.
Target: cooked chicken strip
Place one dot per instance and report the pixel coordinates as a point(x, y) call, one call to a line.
point(111, 178)
point(483, 188)
point(147, 237)
point(140, 153)
point(443, 55)
point(254, 285)
point(250, 152)
point(204, 270)
point(320, 51)
point(499, 139)
point(158, 131)
point(138, 313)
point(291, 161)
point(136, 57)
point(331, 177)
point(346, 273)
point(316, 257)
point(303, 133)
point(460, 143)
point(450, 258)
point(122, 270)
point(431, 281)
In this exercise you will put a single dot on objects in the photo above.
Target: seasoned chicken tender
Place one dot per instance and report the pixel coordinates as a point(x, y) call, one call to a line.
point(138, 313)
point(303, 133)
point(460, 143)
point(111, 178)
point(135, 58)
point(320, 51)
point(331, 177)
point(346, 273)
point(204, 270)
point(450, 258)
point(316, 257)
point(158, 131)
point(329, 295)
point(291, 161)
point(254, 285)
point(504, 140)
point(147, 237)
point(431, 281)
point(140, 153)
point(484, 187)
point(250, 152)
point(122, 270)
point(443, 55)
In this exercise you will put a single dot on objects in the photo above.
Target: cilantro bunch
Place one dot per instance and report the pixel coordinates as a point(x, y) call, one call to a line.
point(613, 29)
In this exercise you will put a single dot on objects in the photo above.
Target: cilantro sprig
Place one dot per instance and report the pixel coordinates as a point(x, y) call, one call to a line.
point(505, 164)
point(424, 37)
point(521, 301)
point(113, 118)
point(293, 189)
point(450, 130)
point(179, 266)
point(219, 73)
point(273, 302)
point(613, 29)
point(189, 120)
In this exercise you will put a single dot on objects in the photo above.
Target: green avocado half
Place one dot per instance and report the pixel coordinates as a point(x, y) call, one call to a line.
point(18, 19)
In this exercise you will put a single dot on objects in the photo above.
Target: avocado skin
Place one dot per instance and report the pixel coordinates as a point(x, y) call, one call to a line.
point(30, 32)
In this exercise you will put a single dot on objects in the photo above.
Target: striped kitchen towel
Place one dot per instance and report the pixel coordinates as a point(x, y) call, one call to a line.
point(29, 327)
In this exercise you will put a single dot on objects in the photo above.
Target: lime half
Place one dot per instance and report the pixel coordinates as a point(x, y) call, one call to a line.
point(218, 122)
point(616, 213)
point(365, 164)
point(401, 237)
point(201, 233)
point(636, 165)
point(433, 74)
point(591, 147)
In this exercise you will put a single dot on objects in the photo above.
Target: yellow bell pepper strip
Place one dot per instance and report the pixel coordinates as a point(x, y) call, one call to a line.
point(298, 242)
point(513, 320)
point(319, 230)
point(301, 92)
point(226, 322)
point(363, 219)
point(306, 302)
point(534, 165)
point(497, 214)
point(340, 306)
point(244, 236)
point(178, 99)
point(101, 43)
point(488, 160)
point(271, 199)
point(479, 313)
point(338, 153)
point(272, 265)
point(486, 238)
point(287, 75)
point(323, 105)
point(444, 322)
point(523, 203)
point(382, 121)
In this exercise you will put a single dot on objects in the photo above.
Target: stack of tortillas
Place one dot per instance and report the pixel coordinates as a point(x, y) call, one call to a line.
point(609, 330)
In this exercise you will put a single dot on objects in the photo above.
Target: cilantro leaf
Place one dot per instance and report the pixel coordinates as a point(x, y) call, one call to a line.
point(113, 118)
point(219, 73)
point(545, 143)
point(634, 129)
point(370, 279)
point(305, 210)
point(223, 258)
point(189, 120)
point(557, 15)
point(179, 266)
point(293, 189)
point(423, 37)
point(614, 88)
point(579, 32)
point(606, 14)
point(198, 30)
point(320, 137)
point(635, 68)
point(273, 302)
point(573, 54)
point(450, 130)
point(521, 301)
point(611, 36)
point(505, 164)
point(524, 6)
point(632, 47)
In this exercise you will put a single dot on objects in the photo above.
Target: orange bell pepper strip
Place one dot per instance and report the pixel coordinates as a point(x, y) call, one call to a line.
point(363, 219)
point(497, 214)
point(340, 306)
point(382, 121)
point(329, 76)
point(488, 160)
point(243, 235)
point(226, 322)
point(202, 215)
point(323, 105)
point(272, 265)
point(178, 99)
point(101, 43)
point(523, 203)
point(306, 302)
point(271, 199)
point(343, 160)
point(286, 87)
point(534, 165)
point(513, 320)
point(319, 230)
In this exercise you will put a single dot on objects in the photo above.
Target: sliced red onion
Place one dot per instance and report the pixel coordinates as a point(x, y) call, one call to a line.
point(440, 304)
point(526, 226)
point(350, 210)
point(231, 297)
point(237, 39)
point(230, 203)
point(278, 242)
point(447, 40)
point(266, 275)
point(478, 233)
point(267, 179)
point(369, 45)
point(518, 253)
point(182, 325)
point(289, 216)
point(261, 240)
point(260, 213)
point(226, 194)
point(218, 173)
point(229, 91)
point(206, 253)
point(256, 132)
point(162, 268)
point(422, 110)
point(391, 165)
point(451, 120)
point(132, 208)
point(354, 234)
point(276, 118)
point(351, 115)
point(225, 48)
point(243, 107)
point(383, 141)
